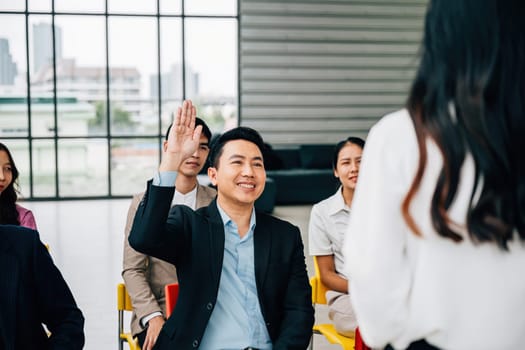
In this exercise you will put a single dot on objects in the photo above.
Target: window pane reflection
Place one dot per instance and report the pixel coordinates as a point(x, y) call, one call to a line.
point(170, 7)
point(133, 61)
point(210, 7)
point(133, 161)
point(13, 85)
point(81, 76)
point(8, 5)
point(40, 5)
point(141, 94)
point(44, 172)
point(171, 67)
point(132, 6)
point(41, 74)
point(82, 164)
point(212, 83)
point(91, 6)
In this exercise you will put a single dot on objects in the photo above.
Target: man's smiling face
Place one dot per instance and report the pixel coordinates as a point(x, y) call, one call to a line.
point(240, 175)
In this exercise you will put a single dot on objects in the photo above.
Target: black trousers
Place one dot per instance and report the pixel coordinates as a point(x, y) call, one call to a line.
point(417, 345)
point(141, 337)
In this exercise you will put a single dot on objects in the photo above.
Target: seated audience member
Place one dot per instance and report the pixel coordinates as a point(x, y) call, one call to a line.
point(242, 274)
point(10, 212)
point(146, 276)
point(327, 230)
point(33, 292)
point(435, 248)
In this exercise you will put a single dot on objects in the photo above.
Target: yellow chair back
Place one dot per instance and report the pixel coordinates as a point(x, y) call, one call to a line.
point(318, 288)
point(124, 304)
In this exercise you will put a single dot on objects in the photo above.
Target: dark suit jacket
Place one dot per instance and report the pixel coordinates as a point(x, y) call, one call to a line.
point(32, 293)
point(194, 242)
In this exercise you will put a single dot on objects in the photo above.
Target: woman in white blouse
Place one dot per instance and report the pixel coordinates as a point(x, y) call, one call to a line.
point(435, 247)
point(327, 229)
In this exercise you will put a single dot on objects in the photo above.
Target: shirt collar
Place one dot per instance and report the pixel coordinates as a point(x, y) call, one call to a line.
point(189, 194)
point(337, 202)
point(226, 220)
point(189, 199)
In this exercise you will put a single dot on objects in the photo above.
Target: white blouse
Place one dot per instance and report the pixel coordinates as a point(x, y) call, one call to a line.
point(328, 227)
point(458, 296)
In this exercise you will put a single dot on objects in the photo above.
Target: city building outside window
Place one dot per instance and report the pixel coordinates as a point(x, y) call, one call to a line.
point(87, 89)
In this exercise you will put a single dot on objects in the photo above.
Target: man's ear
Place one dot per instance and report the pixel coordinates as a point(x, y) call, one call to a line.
point(212, 174)
point(164, 145)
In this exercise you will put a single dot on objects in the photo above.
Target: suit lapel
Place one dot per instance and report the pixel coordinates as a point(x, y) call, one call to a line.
point(262, 242)
point(216, 234)
point(200, 201)
point(204, 196)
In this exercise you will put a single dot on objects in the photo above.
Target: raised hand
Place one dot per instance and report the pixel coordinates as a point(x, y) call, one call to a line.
point(183, 139)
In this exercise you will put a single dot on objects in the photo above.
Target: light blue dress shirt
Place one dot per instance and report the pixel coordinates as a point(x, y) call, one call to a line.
point(236, 321)
point(165, 178)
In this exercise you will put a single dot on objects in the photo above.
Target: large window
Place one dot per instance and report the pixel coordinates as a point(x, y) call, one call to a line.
point(88, 88)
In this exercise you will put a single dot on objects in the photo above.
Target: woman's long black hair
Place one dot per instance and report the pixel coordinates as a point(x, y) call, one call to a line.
point(8, 197)
point(468, 96)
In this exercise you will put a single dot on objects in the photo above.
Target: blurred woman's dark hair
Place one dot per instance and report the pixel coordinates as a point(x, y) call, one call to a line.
point(9, 196)
point(468, 96)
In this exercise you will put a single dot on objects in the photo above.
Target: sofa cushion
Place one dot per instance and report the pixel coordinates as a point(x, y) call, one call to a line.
point(289, 157)
point(316, 156)
point(303, 186)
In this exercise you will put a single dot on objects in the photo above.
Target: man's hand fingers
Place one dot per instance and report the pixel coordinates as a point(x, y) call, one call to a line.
point(177, 117)
point(197, 133)
point(148, 345)
point(192, 117)
point(186, 113)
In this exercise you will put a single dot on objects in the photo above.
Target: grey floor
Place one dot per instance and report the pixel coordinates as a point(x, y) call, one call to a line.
point(85, 238)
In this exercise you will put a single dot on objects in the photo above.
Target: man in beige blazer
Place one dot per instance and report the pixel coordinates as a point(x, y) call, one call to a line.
point(145, 276)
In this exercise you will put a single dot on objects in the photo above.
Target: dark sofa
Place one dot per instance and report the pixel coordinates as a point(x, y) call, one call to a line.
point(302, 174)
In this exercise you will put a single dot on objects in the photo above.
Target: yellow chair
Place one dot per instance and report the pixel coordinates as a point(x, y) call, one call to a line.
point(326, 329)
point(124, 304)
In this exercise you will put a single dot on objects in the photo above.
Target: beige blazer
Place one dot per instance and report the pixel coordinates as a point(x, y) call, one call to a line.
point(145, 276)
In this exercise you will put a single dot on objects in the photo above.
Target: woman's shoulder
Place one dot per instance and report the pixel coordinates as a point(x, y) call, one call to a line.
point(396, 124)
point(21, 210)
point(393, 133)
point(329, 202)
point(26, 217)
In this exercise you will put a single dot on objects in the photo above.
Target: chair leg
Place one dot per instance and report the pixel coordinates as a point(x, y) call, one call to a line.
point(120, 323)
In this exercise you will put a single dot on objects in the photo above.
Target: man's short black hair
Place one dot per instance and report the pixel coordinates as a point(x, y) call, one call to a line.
point(198, 121)
point(238, 133)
